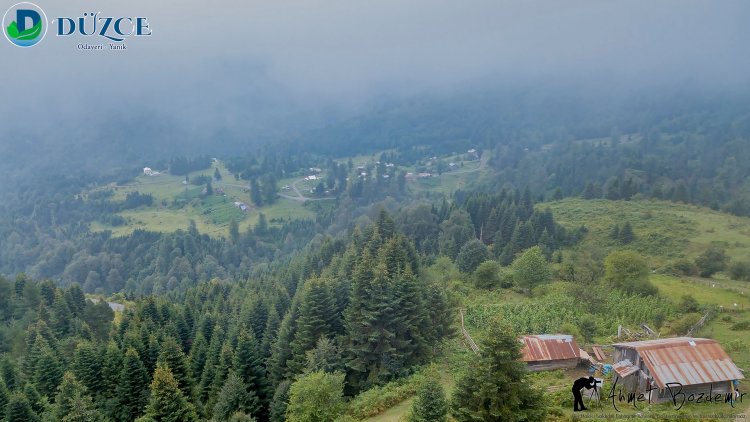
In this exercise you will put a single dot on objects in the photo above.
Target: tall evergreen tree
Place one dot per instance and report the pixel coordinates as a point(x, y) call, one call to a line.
point(48, 372)
point(19, 409)
point(430, 404)
point(626, 234)
point(248, 366)
point(111, 369)
point(87, 366)
point(495, 387)
point(167, 403)
point(235, 397)
point(132, 393)
point(316, 317)
point(174, 358)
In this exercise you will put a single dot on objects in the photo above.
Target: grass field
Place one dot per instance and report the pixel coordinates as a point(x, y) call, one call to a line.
point(664, 231)
point(177, 204)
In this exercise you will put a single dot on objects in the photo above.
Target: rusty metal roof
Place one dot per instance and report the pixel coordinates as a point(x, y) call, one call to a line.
point(547, 347)
point(685, 360)
point(625, 368)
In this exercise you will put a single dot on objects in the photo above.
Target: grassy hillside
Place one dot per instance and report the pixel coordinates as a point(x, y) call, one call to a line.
point(664, 231)
point(176, 204)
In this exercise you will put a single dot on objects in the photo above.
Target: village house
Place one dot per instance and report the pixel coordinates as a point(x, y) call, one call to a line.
point(547, 352)
point(696, 365)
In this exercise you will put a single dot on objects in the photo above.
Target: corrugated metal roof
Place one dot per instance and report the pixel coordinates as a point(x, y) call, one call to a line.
point(625, 368)
point(547, 347)
point(685, 360)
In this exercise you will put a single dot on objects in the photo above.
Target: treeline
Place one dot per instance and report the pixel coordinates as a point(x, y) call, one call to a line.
point(488, 225)
point(180, 166)
point(355, 306)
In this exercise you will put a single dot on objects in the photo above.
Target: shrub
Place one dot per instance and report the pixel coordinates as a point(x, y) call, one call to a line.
point(471, 255)
point(688, 304)
point(487, 274)
point(710, 262)
point(740, 326)
point(736, 345)
point(684, 267)
point(628, 271)
point(682, 325)
point(740, 270)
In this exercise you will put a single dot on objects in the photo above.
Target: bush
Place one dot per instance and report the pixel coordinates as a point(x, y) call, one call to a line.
point(688, 304)
point(628, 271)
point(740, 326)
point(710, 262)
point(735, 346)
point(683, 267)
point(471, 255)
point(740, 270)
point(487, 274)
point(681, 326)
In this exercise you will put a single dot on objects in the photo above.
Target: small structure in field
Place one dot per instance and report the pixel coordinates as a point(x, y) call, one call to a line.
point(662, 367)
point(547, 352)
point(150, 172)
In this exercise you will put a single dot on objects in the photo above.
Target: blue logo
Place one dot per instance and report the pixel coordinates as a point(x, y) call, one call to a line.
point(25, 24)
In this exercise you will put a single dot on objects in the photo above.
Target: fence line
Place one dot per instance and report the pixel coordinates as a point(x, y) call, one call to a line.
point(467, 336)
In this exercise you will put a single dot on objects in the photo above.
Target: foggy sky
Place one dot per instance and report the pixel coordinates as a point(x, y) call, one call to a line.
point(210, 66)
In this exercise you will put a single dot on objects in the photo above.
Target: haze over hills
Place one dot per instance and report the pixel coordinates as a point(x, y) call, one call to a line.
point(296, 211)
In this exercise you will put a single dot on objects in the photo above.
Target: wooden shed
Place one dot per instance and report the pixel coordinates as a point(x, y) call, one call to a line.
point(550, 351)
point(696, 365)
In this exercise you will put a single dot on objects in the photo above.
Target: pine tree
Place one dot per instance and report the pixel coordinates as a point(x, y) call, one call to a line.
point(83, 410)
point(72, 402)
point(48, 372)
point(111, 369)
point(217, 174)
point(221, 372)
point(626, 234)
point(282, 350)
point(167, 402)
point(495, 387)
point(9, 374)
point(61, 316)
point(198, 354)
point(19, 409)
point(248, 366)
point(430, 404)
point(234, 230)
point(316, 314)
point(174, 358)
point(234, 397)
point(277, 410)
point(132, 391)
point(270, 333)
point(615, 233)
point(4, 398)
point(87, 366)
point(370, 321)
point(255, 193)
point(76, 300)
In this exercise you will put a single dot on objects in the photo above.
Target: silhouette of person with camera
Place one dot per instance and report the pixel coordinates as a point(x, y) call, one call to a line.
point(583, 382)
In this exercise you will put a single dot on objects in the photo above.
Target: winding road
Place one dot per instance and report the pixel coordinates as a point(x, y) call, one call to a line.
point(300, 197)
